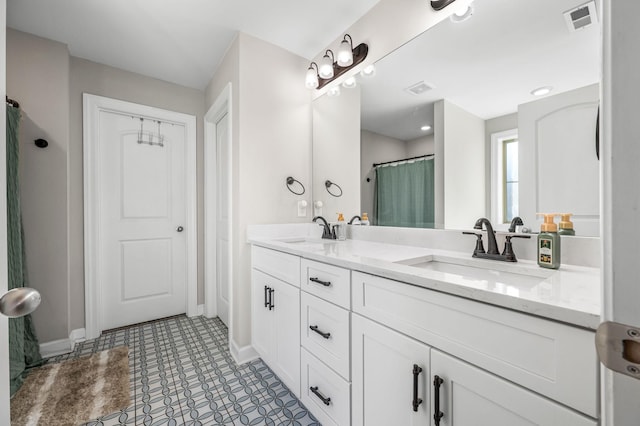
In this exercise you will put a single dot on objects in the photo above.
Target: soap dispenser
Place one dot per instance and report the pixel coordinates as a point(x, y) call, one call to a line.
point(548, 242)
point(365, 219)
point(341, 228)
point(565, 225)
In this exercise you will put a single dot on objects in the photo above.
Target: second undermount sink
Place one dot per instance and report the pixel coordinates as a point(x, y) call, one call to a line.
point(492, 272)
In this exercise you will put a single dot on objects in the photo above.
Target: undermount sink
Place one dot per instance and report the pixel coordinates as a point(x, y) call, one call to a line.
point(492, 272)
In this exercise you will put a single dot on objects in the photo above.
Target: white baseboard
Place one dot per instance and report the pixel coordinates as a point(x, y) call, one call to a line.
point(200, 310)
point(62, 346)
point(243, 354)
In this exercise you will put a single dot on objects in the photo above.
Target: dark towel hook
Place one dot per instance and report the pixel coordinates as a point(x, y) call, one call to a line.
point(41, 143)
point(291, 181)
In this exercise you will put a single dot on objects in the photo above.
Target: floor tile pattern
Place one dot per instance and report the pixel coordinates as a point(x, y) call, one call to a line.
point(182, 374)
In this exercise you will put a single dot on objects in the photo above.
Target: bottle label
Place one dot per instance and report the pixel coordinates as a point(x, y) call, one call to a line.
point(545, 251)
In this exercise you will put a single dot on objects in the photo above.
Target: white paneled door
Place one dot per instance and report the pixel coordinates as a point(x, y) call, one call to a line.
point(143, 215)
point(223, 225)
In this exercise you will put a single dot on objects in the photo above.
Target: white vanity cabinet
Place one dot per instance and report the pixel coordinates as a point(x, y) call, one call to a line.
point(325, 338)
point(514, 368)
point(275, 320)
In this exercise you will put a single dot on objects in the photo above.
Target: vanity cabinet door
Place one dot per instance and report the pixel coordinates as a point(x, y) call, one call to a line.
point(469, 396)
point(383, 367)
point(275, 327)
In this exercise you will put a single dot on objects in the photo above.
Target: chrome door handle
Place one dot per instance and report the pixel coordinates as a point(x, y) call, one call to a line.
point(19, 302)
point(179, 229)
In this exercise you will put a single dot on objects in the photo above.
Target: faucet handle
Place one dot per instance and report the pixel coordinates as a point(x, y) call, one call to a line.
point(479, 246)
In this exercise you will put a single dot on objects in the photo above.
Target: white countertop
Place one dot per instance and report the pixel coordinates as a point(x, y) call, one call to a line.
point(570, 294)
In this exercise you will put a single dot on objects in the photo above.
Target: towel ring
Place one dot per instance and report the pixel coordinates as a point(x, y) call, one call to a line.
point(291, 181)
point(328, 184)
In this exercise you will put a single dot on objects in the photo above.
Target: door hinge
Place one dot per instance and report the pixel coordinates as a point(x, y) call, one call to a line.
point(618, 347)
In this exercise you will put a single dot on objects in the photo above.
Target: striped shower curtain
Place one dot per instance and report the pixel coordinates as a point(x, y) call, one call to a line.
point(24, 350)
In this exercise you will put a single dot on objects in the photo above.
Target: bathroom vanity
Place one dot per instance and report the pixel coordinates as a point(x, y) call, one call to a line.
point(369, 333)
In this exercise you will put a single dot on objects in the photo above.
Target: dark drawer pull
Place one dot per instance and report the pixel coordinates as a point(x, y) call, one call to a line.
point(315, 328)
point(314, 389)
point(271, 305)
point(437, 414)
point(319, 281)
point(416, 401)
point(266, 291)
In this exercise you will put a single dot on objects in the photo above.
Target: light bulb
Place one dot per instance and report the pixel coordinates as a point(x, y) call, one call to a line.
point(326, 66)
point(345, 54)
point(334, 91)
point(311, 80)
point(350, 83)
point(368, 71)
point(425, 128)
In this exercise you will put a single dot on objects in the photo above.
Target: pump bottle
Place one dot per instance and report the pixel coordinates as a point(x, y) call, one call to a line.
point(548, 242)
point(565, 225)
point(341, 228)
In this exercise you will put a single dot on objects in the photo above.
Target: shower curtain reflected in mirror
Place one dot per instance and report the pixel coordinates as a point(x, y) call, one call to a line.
point(24, 350)
point(404, 195)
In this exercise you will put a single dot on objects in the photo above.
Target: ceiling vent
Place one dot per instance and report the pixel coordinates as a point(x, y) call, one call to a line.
point(418, 88)
point(581, 17)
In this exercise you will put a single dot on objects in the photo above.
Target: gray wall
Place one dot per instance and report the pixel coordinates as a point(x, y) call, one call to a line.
point(38, 78)
point(49, 84)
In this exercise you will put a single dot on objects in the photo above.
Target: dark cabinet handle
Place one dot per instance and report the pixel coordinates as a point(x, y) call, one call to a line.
point(437, 414)
point(326, 401)
point(266, 291)
point(315, 328)
point(271, 305)
point(416, 401)
point(318, 281)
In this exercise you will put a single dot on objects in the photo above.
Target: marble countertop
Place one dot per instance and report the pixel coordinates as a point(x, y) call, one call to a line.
point(570, 294)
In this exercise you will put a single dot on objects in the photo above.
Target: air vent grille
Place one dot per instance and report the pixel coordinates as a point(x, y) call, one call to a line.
point(581, 17)
point(418, 88)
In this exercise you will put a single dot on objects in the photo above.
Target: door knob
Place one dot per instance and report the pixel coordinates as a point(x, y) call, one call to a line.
point(19, 302)
point(180, 229)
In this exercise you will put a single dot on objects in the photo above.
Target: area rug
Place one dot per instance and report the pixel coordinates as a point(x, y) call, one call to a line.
point(74, 391)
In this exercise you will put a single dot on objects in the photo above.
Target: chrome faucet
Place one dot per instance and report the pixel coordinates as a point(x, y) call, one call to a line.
point(491, 237)
point(326, 230)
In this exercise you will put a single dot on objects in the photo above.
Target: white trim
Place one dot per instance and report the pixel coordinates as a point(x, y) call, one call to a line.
point(242, 355)
point(92, 106)
point(200, 310)
point(496, 175)
point(62, 346)
point(221, 106)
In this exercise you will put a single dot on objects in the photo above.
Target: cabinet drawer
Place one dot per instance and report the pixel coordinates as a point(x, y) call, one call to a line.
point(336, 409)
point(330, 340)
point(277, 264)
point(328, 282)
point(551, 358)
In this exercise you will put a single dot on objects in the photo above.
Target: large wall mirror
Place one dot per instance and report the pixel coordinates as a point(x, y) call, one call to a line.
point(500, 108)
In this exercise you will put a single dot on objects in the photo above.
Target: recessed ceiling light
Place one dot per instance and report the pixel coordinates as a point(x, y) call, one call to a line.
point(368, 71)
point(541, 91)
point(425, 128)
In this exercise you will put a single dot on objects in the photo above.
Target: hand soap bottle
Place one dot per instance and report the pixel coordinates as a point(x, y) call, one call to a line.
point(565, 225)
point(548, 243)
point(341, 228)
point(365, 219)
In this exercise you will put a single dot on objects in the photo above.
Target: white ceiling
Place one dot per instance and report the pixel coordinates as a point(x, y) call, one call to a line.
point(182, 41)
point(486, 65)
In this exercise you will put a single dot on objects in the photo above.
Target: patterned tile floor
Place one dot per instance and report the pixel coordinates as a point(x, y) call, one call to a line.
point(182, 374)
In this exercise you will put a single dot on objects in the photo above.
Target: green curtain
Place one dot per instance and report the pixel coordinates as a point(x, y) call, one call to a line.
point(24, 350)
point(404, 195)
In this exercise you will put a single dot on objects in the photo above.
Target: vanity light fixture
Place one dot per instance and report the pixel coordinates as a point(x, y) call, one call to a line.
point(425, 128)
point(326, 65)
point(334, 91)
point(350, 83)
point(368, 71)
point(329, 68)
point(541, 91)
point(345, 52)
point(312, 76)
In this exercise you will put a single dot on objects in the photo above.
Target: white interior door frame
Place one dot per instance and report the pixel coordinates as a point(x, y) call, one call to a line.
point(220, 107)
point(93, 105)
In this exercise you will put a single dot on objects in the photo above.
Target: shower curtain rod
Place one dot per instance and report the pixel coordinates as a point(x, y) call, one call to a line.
point(404, 159)
point(12, 102)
